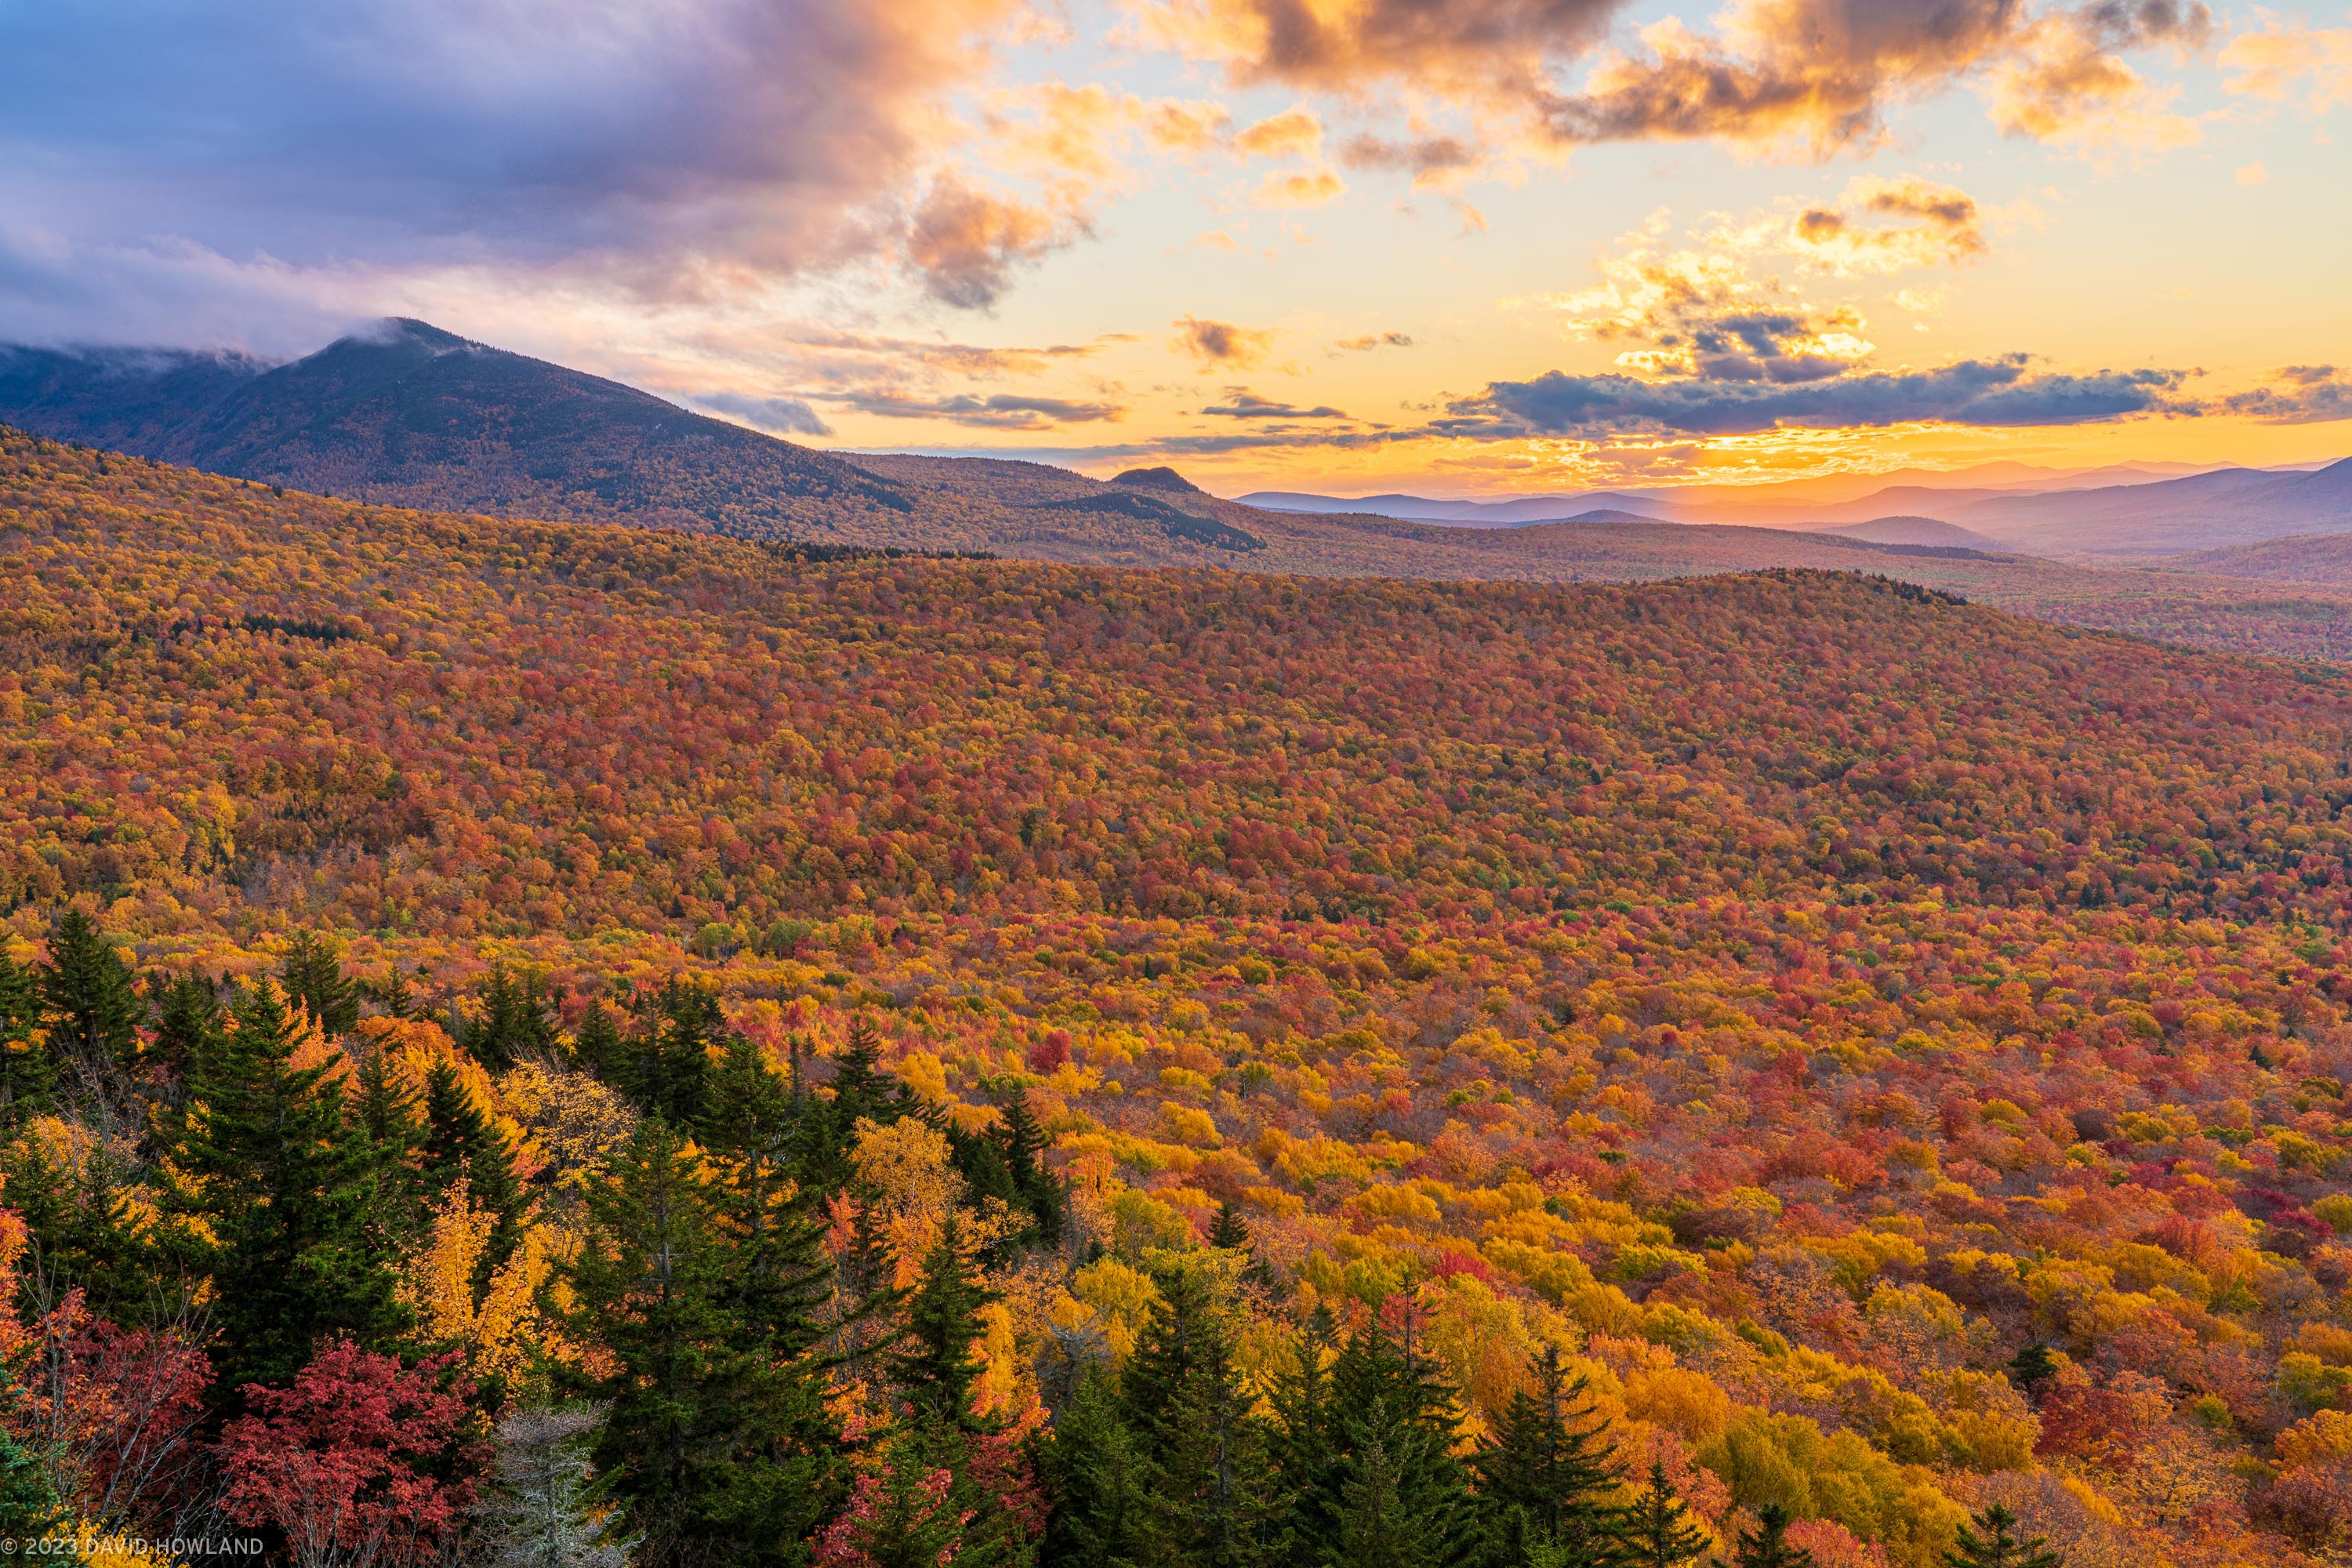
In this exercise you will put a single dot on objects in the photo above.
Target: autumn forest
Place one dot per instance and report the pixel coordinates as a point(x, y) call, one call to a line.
point(568, 1044)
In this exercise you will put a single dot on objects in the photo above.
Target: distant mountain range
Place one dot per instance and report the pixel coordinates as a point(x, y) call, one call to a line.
point(407, 415)
point(2132, 513)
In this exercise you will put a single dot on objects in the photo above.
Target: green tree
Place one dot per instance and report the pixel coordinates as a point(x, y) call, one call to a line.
point(597, 1047)
point(1207, 1477)
point(1655, 1530)
point(28, 1077)
point(933, 1365)
point(721, 1451)
point(1544, 1472)
point(272, 1191)
point(1993, 1543)
point(1024, 1156)
point(187, 1020)
point(1766, 1546)
point(778, 1264)
point(1366, 1455)
point(312, 974)
point(388, 1116)
point(94, 1012)
point(518, 1021)
point(1097, 1479)
point(668, 1061)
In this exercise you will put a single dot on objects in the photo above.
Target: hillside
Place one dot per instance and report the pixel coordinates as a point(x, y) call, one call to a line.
point(1925, 531)
point(1892, 1052)
point(413, 415)
point(1752, 735)
point(2322, 560)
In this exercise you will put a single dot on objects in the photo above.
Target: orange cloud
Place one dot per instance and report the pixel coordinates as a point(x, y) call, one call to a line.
point(1221, 344)
point(2276, 63)
point(1309, 188)
point(1294, 134)
point(964, 243)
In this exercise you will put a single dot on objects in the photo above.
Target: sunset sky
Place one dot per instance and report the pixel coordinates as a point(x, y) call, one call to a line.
point(1347, 244)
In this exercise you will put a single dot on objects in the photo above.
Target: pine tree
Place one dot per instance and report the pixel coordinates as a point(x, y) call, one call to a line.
point(312, 974)
point(273, 1193)
point(187, 1019)
point(1207, 1477)
point(85, 1232)
point(1306, 1444)
point(460, 1142)
point(1025, 1152)
point(29, 1078)
point(668, 1061)
point(1227, 1232)
point(391, 1121)
point(542, 1508)
point(94, 1013)
point(720, 1452)
point(1099, 1478)
point(778, 1266)
point(397, 995)
point(1544, 1473)
point(933, 1365)
point(1379, 1525)
point(1655, 1531)
point(1998, 1546)
point(517, 1021)
point(1766, 1546)
point(1366, 1452)
point(597, 1047)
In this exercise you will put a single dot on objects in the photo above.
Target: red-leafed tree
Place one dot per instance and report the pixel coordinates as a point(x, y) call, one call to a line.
point(343, 1463)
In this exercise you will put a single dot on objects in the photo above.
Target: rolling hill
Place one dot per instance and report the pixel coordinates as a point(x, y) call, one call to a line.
point(1914, 531)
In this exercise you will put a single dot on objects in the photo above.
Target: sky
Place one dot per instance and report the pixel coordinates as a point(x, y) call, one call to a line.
point(1456, 246)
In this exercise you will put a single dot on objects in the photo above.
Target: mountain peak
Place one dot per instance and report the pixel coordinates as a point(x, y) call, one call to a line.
point(1162, 479)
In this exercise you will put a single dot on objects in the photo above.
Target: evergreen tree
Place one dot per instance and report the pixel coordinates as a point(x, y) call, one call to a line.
point(720, 1452)
point(1379, 1525)
point(597, 1047)
point(94, 1014)
point(1097, 1477)
point(187, 1019)
point(1544, 1473)
point(778, 1266)
point(1207, 1477)
point(1366, 1455)
point(668, 1061)
point(1025, 1152)
point(30, 1509)
point(518, 1021)
point(391, 1121)
point(1993, 1543)
point(29, 1078)
point(1228, 1232)
point(397, 995)
point(461, 1143)
point(1306, 1444)
point(1655, 1531)
point(272, 1191)
point(312, 974)
point(1766, 1546)
point(933, 1365)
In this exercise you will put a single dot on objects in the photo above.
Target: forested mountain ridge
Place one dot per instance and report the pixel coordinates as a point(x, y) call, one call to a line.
point(528, 1037)
point(956, 736)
